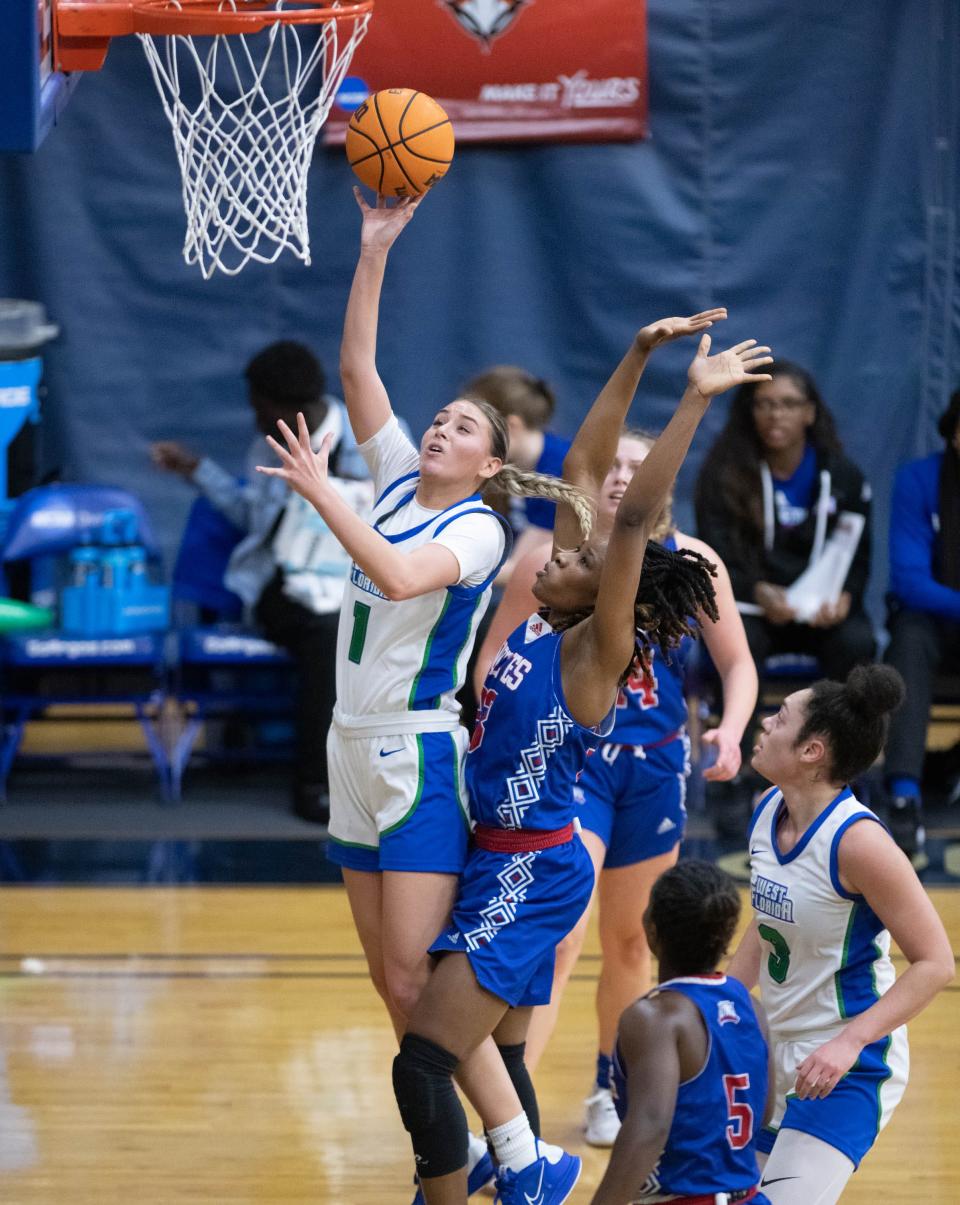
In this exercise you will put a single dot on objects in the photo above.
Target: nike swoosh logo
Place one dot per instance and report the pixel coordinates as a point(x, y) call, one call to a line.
point(539, 1199)
point(390, 752)
point(777, 1180)
point(752, 852)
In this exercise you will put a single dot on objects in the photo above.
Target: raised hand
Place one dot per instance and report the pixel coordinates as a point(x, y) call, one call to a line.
point(305, 471)
point(382, 223)
point(710, 375)
point(665, 330)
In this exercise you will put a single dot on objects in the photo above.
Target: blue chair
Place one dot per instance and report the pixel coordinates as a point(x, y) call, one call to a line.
point(222, 669)
point(42, 669)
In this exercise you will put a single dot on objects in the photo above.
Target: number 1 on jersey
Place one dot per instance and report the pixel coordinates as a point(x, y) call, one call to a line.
point(361, 616)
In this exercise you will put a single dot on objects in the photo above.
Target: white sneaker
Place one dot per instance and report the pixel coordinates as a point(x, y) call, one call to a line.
point(601, 1122)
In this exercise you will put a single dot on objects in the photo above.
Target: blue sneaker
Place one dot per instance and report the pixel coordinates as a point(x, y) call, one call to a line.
point(542, 1183)
point(479, 1176)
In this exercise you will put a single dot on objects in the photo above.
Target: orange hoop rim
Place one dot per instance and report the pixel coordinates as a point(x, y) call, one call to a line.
point(216, 16)
point(116, 18)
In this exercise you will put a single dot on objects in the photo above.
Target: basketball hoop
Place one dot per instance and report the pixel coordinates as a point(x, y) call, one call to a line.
point(246, 86)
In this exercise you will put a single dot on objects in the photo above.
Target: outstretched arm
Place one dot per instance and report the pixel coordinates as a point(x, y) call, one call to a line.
point(870, 865)
point(606, 639)
point(397, 574)
point(367, 402)
point(726, 642)
point(595, 444)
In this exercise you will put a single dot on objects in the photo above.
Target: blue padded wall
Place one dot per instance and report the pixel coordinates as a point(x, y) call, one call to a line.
point(802, 170)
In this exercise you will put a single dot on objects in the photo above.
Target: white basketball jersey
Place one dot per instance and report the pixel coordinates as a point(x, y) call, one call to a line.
point(825, 953)
point(400, 664)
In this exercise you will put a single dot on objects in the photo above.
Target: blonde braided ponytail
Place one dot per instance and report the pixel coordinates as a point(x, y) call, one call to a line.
point(522, 483)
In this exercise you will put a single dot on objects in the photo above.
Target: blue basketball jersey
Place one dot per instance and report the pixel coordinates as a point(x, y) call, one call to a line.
point(710, 1147)
point(527, 750)
point(651, 704)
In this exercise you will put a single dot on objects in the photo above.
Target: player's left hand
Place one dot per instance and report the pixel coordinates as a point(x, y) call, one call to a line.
point(820, 1072)
point(304, 470)
point(727, 762)
point(665, 330)
point(709, 375)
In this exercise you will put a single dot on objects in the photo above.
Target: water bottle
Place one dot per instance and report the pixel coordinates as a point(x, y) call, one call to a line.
point(85, 565)
point(137, 566)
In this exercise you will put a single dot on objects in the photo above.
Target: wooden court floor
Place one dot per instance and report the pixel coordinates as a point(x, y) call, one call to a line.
point(223, 1045)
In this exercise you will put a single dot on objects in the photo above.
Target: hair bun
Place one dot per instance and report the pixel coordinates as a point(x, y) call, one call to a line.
point(874, 690)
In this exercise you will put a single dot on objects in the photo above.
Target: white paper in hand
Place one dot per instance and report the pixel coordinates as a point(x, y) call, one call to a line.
point(822, 582)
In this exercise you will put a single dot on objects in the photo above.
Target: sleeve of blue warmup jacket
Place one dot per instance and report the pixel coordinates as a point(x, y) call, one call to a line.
point(911, 545)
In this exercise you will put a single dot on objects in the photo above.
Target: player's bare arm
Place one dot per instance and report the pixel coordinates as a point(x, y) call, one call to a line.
point(368, 403)
point(871, 865)
point(595, 444)
point(656, 1038)
point(397, 574)
point(606, 640)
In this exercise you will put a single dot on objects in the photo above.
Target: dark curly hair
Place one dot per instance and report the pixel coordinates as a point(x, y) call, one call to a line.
point(675, 589)
point(731, 468)
point(695, 907)
point(853, 717)
point(287, 374)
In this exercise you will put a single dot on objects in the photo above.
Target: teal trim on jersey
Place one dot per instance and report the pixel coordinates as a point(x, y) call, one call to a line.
point(883, 1059)
point(468, 632)
point(351, 844)
point(417, 797)
point(856, 980)
point(426, 653)
point(461, 795)
point(447, 639)
point(811, 832)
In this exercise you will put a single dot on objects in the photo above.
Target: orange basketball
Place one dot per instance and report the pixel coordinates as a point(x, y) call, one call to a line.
point(400, 142)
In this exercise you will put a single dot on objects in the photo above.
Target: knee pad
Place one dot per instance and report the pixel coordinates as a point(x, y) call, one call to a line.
point(429, 1107)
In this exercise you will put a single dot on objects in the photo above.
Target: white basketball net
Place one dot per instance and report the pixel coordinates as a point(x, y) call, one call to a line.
point(245, 110)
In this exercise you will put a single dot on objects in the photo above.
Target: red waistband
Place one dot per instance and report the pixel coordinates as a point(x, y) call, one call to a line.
point(664, 740)
point(520, 840)
point(735, 1198)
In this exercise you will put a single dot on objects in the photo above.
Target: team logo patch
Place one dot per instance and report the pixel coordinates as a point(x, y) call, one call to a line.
point(771, 898)
point(536, 627)
point(727, 1013)
point(485, 19)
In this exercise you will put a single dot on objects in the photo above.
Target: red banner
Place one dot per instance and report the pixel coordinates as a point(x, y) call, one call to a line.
point(573, 70)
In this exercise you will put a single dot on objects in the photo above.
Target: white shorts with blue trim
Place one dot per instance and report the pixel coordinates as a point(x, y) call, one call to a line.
point(398, 802)
point(854, 1113)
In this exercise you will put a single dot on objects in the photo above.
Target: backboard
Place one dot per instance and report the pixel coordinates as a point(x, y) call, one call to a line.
point(32, 94)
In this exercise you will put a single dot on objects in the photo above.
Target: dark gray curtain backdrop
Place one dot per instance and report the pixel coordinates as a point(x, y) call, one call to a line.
point(802, 170)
